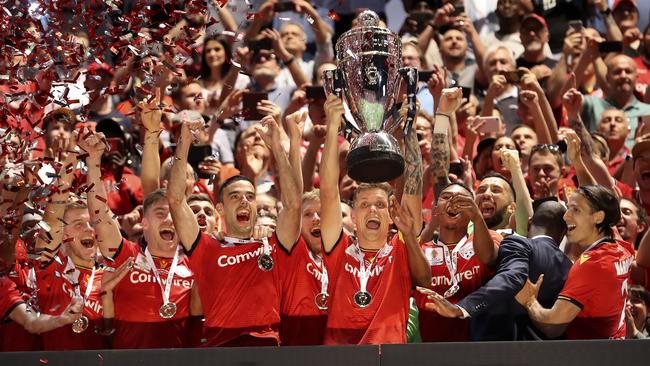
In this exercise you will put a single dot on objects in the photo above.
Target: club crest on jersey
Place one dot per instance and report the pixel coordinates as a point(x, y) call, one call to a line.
point(435, 256)
point(466, 252)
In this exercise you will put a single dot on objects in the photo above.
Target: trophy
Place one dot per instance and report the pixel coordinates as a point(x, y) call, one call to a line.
point(369, 60)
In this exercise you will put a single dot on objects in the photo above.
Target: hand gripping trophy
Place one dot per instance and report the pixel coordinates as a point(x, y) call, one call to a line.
point(369, 66)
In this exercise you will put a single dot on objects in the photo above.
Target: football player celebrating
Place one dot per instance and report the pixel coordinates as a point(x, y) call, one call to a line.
point(592, 303)
point(156, 297)
point(238, 277)
point(372, 276)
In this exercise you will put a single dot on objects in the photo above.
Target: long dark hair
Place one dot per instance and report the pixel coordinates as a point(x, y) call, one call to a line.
point(603, 199)
point(205, 69)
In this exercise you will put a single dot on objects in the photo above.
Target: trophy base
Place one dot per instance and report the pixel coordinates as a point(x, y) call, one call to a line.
point(374, 166)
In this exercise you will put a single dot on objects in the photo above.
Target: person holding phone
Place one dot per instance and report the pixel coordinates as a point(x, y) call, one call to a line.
point(502, 92)
point(534, 36)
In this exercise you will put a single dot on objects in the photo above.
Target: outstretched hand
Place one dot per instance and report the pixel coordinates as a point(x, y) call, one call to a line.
point(528, 294)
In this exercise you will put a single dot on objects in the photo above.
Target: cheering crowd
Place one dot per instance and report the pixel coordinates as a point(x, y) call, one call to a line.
point(174, 174)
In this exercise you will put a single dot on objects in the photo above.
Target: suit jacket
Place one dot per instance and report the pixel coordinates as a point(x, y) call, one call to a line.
point(496, 315)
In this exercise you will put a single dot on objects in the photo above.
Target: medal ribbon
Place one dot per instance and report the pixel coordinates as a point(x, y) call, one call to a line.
point(89, 285)
point(170, 276)
point(324, 279)
point(451, 259)
point(230, 241)
point(364, 274)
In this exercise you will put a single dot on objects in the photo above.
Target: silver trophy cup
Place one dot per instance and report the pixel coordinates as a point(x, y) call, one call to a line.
point(369, 60)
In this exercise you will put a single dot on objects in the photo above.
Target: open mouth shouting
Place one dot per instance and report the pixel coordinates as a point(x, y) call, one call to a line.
point(243, 216)
point(373, 223)
point(487, 208)
point(315, 232)
point(167, 234)
point(203, 222)
point(570, 228)
point(87, 242)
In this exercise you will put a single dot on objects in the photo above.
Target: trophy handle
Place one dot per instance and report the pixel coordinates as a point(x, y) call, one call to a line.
point(410, 75)
point(333, 85)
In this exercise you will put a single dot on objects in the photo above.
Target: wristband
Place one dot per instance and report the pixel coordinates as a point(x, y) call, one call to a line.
point(289, 61)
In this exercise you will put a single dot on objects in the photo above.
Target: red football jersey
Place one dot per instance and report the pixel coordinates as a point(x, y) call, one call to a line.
point(384, 319)
point(9, 297)
point(303, 323)
point(597, 283)
point(55, 283)
point(138, 298)
point(471, 274)
point(13, 337)
point(239, 299)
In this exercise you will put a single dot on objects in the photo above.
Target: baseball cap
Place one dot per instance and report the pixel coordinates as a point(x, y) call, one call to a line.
point(641, 146)
point(535, 17)
point(619, 2)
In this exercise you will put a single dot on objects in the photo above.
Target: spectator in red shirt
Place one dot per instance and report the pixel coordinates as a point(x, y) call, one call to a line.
point(614, 127)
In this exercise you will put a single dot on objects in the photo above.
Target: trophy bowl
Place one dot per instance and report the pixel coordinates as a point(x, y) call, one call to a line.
point(368, 66)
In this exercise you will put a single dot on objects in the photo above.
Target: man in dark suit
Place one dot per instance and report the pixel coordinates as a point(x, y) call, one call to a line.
point(495, 313)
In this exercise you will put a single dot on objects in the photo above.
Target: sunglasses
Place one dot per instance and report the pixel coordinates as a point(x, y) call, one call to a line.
point(553, 148)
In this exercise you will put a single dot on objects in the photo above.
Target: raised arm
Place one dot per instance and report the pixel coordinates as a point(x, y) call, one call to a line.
point(316, 139)
point(288, 225)
point(412, 192)
point(185, 222)
point(449, 103)
point(107, 228)
point(524, 203)
point(263, 16)
point(226, 17)
point(150, 115)
point(287, 58)
point(55, 208)
point(584, 176)
point(548, 122)
point(572, 101)
point(331, 216)
point(531, 101)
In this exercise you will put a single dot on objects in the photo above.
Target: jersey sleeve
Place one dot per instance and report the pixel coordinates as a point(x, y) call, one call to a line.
point(580, 287)
point(334, 259)
point(9, 297)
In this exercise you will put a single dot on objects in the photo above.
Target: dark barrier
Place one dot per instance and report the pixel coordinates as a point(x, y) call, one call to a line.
point(575, 353)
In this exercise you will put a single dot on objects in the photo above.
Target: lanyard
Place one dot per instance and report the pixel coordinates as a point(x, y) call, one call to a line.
point(89, 285)
point(364, 273)
point(229, 241)
point(594, 244)
point(324, 279)
point(170, 276)
point(451, 260)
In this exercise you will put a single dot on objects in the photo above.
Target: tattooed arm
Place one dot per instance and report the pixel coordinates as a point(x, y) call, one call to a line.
point(412, 193)
point(440, 149)
point(572, 101)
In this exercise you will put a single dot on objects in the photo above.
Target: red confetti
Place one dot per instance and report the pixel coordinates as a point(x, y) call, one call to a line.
point(100, 198)
point(44, 361)
point(333, 15)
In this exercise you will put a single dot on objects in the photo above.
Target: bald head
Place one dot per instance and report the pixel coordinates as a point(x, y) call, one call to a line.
point(548, 220)
point(621, 77)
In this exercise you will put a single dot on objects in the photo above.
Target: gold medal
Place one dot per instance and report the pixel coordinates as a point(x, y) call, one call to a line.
point(167, 310)
point(80, 325)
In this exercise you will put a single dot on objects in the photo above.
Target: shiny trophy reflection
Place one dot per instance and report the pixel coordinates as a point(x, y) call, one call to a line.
point(369, 60)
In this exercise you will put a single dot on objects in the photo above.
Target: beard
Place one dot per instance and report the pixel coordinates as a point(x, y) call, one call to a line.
point(497, 218)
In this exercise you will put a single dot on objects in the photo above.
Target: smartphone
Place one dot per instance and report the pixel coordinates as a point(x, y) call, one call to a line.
point(315, 93)
point(424, 75)
point(284, 6)
point(422, 18)
point(196, 155)
point(456, 168)
point(491, 124)
point(576, 25)
point(249, 105)
point(513, 77)
point(458, 9)
point(260, 44)
point(115, 144)
point(610, 46)
point(466, 92)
